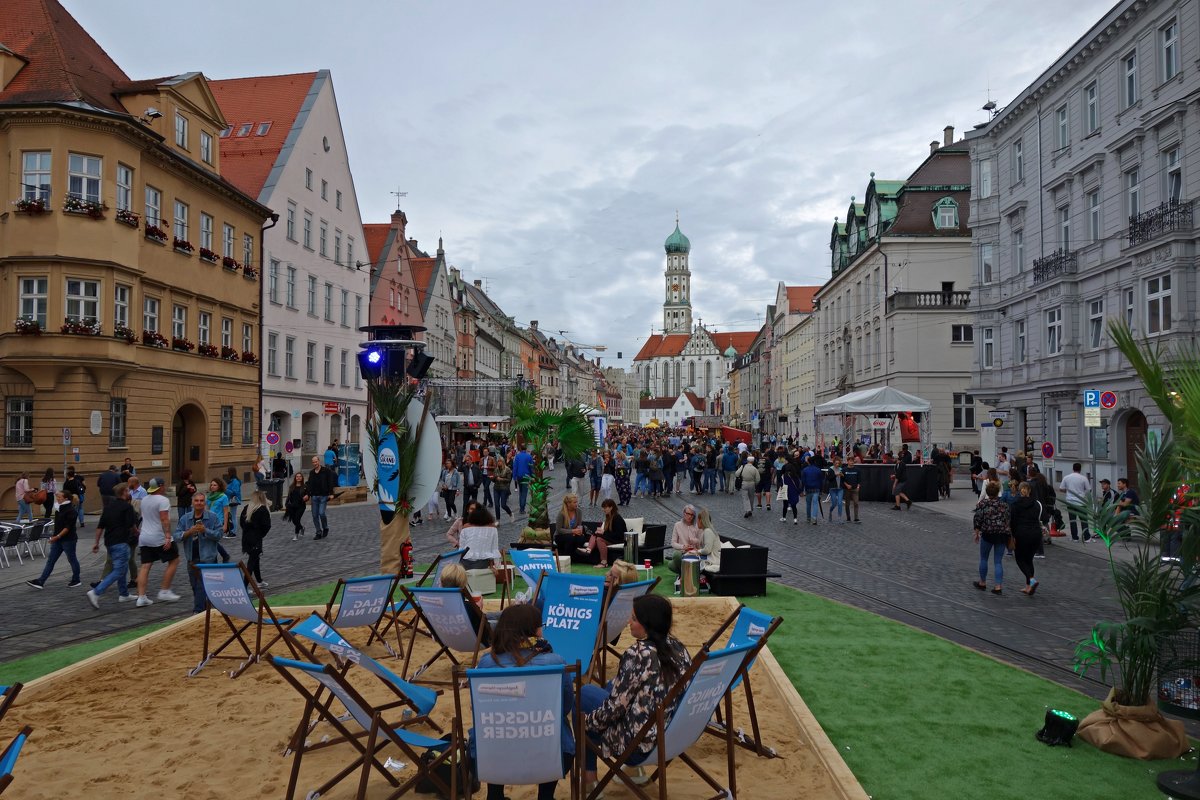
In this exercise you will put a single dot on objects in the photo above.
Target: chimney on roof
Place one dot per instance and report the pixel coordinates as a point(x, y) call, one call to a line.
point(947, 135)
point(533, 324)
point(933, 146)
point(478, 283)
point(413, 243)
point(399, 220)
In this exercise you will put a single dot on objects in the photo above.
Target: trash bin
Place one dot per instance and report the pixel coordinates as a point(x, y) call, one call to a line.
point(631, 547)
point(273, 488)
point(689, 570)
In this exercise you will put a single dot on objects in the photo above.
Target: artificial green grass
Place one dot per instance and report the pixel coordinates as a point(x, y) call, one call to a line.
point(914, 716)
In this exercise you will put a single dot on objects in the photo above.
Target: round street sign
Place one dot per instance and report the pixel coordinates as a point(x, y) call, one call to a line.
point(1108, 400)
point(998, 422)
point(272, 438)
point(1047, 450)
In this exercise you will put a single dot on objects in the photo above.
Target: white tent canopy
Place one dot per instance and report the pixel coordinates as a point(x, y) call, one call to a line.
point(884, 400)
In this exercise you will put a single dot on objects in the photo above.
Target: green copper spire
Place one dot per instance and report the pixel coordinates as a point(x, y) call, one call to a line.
point(677, 242)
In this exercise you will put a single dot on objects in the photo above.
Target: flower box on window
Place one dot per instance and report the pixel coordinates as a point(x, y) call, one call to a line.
point(230, 264)
point(208, 255)
point(127, 217)
point(249, 273)
point(154, 339)
point(27, 326)
point(124, 332)
point(156, 234)
point(249, 358)
point(81, 327)
point(209, 350)
point(229, 354)
point(31, 205)
point(180, 343)
point(182, 245)
point(78, 205)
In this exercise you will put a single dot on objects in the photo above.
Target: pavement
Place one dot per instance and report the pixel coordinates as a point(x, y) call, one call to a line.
point(915, 566)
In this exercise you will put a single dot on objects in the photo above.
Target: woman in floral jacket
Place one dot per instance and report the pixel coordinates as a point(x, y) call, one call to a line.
point(992, 530)
point(648, 670)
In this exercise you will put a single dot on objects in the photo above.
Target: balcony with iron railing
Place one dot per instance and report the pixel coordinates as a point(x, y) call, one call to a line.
point(1060, 262)
point(932, 301)
point(1173, 215)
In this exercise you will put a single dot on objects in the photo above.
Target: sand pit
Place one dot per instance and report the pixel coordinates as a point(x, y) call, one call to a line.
point(129, 723)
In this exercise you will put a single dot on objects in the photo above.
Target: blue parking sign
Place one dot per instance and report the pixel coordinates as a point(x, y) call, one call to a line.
point(1091, 398)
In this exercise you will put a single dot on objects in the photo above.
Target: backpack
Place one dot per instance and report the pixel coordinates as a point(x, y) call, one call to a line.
point(737, 482)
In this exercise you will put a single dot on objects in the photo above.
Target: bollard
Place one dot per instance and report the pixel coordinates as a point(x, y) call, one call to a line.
point(631, 547)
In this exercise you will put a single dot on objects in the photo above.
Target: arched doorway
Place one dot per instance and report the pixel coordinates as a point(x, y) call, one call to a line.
point(188, 436)
point(1135, 440)
point(355, 425)
point(335, 427)
point(310, 438)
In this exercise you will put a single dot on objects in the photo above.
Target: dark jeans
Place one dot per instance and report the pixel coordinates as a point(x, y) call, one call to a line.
point(1027, 545)
point(997, 552)
point(252, 563)
point(119, 553)
point(57, 548)
point(1073, 517)
point(199, 600)
point(448, 498)
point(500, 501)
point(470, 494)
point(523, 493)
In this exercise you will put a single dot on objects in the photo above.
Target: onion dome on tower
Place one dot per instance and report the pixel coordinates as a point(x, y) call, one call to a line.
point(677, 242)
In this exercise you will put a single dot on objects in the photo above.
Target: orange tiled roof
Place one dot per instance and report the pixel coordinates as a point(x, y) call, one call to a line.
point(800, 298)
point(657, 403)
point(422, 270)
point(64, 64)
point(659, 345)
point(377, 236)
point(246, 161)
point(741, 340)
point(696, 402)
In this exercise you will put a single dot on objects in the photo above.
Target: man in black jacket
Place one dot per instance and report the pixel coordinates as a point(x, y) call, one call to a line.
point(117, 525)
point(105, 483)
point(319, 486)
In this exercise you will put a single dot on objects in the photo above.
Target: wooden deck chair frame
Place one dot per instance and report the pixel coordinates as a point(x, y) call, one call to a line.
point(600, 665)
point(339, 589)
point(460, 675)
point(9, 756)
point(722, 724)
point(443, 649)
point(394, 609)
point(263, 612)
point(8, 697)
point(659, 723)
point(366, 759)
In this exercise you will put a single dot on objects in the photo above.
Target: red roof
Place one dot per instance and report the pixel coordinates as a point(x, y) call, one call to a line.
point(377, 236)
point(740, 340)
point(656, 403)
point(659, 345)
point(800, 298)
point(696, 402)
point(246, 161)
point(64, 63)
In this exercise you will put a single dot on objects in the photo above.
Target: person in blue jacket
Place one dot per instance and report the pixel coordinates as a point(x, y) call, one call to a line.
point(522, 471)
point(812, 478)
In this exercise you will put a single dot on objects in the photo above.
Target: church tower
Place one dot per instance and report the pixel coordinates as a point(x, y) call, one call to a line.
point(677, 304)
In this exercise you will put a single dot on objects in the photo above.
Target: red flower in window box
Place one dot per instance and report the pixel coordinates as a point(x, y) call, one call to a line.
point(180, 343)
point(156, 233)
point(126, 333)
point(31, 205)
point(208, 255)
point(128, 217)
point(27, 326)
point(182, 244)
point(209, 350)
point(154, 339)
point(249, 358)
point(230, 264)
point(80, 327)
point(229, 354)
point(250, 273)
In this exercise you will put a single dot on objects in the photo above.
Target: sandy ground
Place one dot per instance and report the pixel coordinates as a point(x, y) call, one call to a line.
point(135, 726)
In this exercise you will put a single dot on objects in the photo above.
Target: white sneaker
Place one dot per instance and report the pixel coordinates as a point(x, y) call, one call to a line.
point(295, 538)
point(93, 598)
point(167, 595)
point(783, 519)
point(263, 584)
point(795, 520)
point(124, 598)
point(143, 601)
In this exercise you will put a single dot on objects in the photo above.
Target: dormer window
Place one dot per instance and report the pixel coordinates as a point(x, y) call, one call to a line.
point(225, 133)
point(244, 130)
point(263, 127)
point(945, 214)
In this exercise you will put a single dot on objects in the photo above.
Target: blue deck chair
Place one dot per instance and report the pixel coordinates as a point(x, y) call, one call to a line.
point(693, 698)
point(8, 759)
point(299, 674)
point(617, 613)
point(444, 613)
point(431, 577)
point(8, 696)
point(753, 628)
point(531, 563)
point(228, 588)
point(530, 753)
point(572, 615)
point(362, 603)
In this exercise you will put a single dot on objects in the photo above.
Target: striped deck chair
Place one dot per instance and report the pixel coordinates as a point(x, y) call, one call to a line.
point(753, 628)
point(444, 613)
point(228, 589)
point(8, 759)
point(362, 603)
point(431, 577)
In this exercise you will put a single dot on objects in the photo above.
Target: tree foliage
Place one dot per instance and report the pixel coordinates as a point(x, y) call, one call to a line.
point(535, 428)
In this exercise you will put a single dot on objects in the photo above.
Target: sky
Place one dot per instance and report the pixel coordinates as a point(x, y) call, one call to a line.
point(551, 143)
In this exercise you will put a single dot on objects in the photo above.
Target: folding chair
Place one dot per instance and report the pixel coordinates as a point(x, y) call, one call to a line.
point(750, 627)
point(531, 752)
point(8, 759)
point(444, 612)
point(10, 539)
point(572, 614)
point(369, 719)
point(227, 588)
point(531, 564)
point(8, 696)
point(395, 608)
point(34, 534)
point(694, 698)
point(617, 613)
point(361, 603)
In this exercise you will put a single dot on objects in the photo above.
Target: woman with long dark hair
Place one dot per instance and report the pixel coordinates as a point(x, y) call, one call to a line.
point(293, 509)
point(256, 523)
point(610, 532)
point(1025, 518)
point(50, 487)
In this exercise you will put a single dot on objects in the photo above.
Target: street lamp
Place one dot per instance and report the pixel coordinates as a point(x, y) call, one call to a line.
point(796, 421)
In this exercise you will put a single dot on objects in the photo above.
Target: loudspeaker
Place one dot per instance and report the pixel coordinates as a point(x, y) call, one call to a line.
point(419, 365)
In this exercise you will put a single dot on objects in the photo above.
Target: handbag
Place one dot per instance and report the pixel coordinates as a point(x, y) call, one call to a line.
point(1012, 542)
point(737, 482)
point(782, 494)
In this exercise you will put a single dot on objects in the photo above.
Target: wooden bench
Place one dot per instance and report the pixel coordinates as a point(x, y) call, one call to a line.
point(743, 570)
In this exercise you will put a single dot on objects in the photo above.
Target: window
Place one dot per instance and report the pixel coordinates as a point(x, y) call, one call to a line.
point(1091, 109)
point(245, 128)
point(226, 426)
point(328, 302)
point(1095, 323)
point(1054, 331)
point(358, 311)
point(228, 129)
point(263, 127)
point(1133, 192)
point(289, 357)
point(290, 288)
point(308, 179)
point(1129, 69)
point(1018, 161)
point(987, 269)
point(1129, 301)
point(1172, 176)
point(179, 321)
point(153, 206)
point(1093, 204)
point(124, 187)
point(83, 300)
point(350, 252)
point(310, 366)
point(226, 331)
point(1168, 38)
point(181, 131)
point(291, 221)
point(324, 190)
point(343, 366)
point(247, 250)
point(83, 177)
point(312, 295)
point(988, 357)
point(1158, 304)
point(206, 147)
point(324, 239)
point(118, 409)
point(205, 327)
point(273, 281)
point(34, 292)
point(1019, 342)
point(337, 200)
point(328, 364)
point(272, 355)
point(1064, 228)
point(345, 308)
point(35, 175)
point(121, 305)
point(1018, 250)
point(308, 230)
point(227, 240)
point(206, 231)
point(150, 314)
point(337, 246)
point(247, 337)
point(18, 422)
point(247, 425)
point(181, 221)
point(960, 333)
point(985, 178)
point(964, 411)
point(945, 213)
point(1064, 128)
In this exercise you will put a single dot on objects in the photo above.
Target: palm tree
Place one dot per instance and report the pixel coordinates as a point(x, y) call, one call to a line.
point(535, 428)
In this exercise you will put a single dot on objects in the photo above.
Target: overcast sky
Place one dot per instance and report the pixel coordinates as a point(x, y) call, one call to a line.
point(551, 143)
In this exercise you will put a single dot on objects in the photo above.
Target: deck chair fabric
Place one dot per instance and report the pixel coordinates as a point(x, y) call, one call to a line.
point(750, 627)
point(616, 616)
point(444, 612)
point(228, 589)
point(572, 614)
point(531, 563)
point(680, 720)
point(8, 696)
point(518, 720)
point(361, 603)
point(397, 607)
point(8, 759)
point(300, 675)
